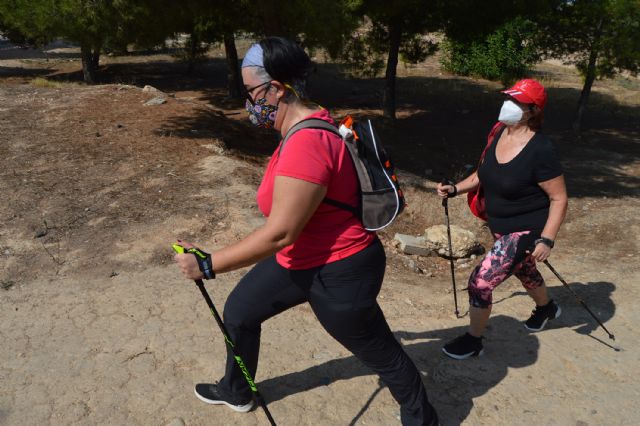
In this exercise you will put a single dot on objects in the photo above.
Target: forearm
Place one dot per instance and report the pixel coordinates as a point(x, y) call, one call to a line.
point(294, 202)
point(557, 213)
point(468, 184)
point(256, 246)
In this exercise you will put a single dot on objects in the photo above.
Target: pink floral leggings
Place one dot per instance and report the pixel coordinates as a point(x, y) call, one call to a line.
point(507, 257)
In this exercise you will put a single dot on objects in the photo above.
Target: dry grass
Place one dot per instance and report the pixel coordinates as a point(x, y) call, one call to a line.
point(44, 83)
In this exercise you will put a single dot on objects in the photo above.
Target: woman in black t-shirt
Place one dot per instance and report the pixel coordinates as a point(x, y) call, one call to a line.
point(526, 202)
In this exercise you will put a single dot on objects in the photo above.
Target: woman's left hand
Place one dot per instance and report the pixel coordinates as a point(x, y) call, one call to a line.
point(188, 263)
point(541, 252)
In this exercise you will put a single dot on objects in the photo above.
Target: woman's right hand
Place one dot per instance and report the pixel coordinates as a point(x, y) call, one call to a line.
point(444, 190)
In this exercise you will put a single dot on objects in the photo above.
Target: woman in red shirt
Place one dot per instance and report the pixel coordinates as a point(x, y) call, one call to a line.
point(308, 251)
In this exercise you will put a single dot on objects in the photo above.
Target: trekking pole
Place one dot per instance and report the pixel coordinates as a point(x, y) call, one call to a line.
point(584, 305)
point(256, 395)
point(445, 204)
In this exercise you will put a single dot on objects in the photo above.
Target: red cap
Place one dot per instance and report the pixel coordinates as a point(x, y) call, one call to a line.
point(528, 91)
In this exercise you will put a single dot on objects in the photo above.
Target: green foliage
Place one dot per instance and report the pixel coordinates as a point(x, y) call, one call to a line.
point(314, 24)
point(25, 22)
point(607, 31)
point(417, 48)
point(504, 55)
point(365, 51)
point(194, 50)
point(363, 54)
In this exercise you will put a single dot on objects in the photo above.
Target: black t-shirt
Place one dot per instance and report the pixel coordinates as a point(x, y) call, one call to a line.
point(514, 200)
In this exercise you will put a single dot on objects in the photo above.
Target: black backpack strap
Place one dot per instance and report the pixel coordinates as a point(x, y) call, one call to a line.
point(341, 205)
point(316, 123)
point(309, 123)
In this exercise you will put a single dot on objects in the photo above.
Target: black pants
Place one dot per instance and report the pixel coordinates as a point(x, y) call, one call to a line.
point(342, 295)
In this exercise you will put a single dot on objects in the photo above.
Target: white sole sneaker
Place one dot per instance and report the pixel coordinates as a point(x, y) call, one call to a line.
point(463, 356)
point(544, 323)
point(238, 408)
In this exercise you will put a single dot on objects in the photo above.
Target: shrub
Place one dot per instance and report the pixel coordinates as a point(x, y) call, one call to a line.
point(504, 55)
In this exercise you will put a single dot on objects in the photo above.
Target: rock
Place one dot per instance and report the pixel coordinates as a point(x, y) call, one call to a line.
point(463, 242)
point(176, 422)
point(413, 245)
point(158, 100)
point(150, 89)
point(409, 264)
point(322, 355)
point(41, 233)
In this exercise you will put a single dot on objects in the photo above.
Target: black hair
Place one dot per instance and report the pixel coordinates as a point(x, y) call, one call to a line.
point(286, 61)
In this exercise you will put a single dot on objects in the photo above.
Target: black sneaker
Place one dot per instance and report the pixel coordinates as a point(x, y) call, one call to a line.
point(212, 394)
point(464, 346)
point(541, 314)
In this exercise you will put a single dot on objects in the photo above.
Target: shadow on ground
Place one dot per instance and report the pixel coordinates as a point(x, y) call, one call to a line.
point(6, 72)
point(452, 384)
point(441, 127)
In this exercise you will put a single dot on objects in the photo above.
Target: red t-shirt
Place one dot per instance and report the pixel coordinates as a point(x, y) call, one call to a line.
point(332, 233)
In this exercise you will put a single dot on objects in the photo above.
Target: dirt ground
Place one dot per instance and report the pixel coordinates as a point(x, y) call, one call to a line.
point(98, 327)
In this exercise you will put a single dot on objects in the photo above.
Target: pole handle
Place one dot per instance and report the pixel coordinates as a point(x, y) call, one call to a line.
point(445, 200)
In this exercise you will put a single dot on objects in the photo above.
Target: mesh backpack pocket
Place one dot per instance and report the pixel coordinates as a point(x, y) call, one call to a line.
point(381, 199)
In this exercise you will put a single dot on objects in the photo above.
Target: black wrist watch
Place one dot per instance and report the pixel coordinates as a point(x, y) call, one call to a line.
point(546, 241)
point(455, 191)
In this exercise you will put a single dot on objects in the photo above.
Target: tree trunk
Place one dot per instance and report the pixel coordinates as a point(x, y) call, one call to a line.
point(586, 90)
point(234, 80)
point(589, 77)
point(89, 64)
point(389, 95)
point(95, 58)
point(270, 18)
point(192, 52)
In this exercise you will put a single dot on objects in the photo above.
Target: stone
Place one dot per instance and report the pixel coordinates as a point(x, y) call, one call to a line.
point(150, 89)
point(176, 422)
point(463, 242)
point(158, 100)
point(412, 245)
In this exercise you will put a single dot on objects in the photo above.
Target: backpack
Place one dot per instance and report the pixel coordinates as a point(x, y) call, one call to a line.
point(381, 199)
point(475, 197)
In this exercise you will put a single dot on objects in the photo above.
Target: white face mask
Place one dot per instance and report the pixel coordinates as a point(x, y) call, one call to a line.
point(510, 113)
